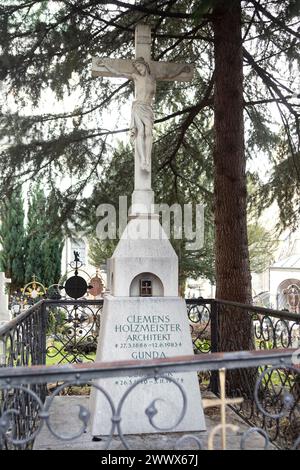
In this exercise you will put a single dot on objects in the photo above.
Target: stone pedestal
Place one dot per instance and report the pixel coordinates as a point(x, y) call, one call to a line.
point(134, 327)
point(146, 328)
point(143, 249)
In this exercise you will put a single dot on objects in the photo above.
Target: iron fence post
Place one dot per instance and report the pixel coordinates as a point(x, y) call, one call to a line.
point(214, 312)
point(43, 347)
point(44, 322)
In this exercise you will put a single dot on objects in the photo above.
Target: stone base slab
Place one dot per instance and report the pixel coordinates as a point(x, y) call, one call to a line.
point(64, 419)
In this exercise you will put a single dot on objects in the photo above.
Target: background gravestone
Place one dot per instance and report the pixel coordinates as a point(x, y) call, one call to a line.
point(4, 298)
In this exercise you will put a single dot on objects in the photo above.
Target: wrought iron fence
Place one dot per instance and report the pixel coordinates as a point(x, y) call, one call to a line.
point(61, 331)
point(52, 332)
point(22, 382)
point(49, 332)
point(72, 330)
point(65, 331)
point(271, 328)
point(22, 343)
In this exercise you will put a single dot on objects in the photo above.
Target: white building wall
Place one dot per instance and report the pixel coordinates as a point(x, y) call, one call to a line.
point(80, 245)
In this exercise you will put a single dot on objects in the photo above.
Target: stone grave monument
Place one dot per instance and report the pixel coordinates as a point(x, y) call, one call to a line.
point(4, 311)
point(143, 316)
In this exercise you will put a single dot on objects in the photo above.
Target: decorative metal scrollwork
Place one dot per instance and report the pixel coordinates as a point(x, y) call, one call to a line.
point(76, 286)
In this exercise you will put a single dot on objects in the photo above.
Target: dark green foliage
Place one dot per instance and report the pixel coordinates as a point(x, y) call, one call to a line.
point(34, 250)
point(43, 246)
point(283, 186)
point(100, 251)
point(50, 45)
point(205, 7)
point(12, 238)
point(35, 236)
point(262, 245)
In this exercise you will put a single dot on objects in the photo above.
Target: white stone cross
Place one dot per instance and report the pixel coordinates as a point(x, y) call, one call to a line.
point(145, 73)
point(4, 312)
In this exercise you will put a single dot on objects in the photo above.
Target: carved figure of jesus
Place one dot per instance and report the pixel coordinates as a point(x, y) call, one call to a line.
point(144, 72)
point(142, 116)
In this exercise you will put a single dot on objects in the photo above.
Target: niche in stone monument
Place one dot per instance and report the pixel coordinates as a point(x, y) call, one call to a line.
point(146, 285)
point(145, 288)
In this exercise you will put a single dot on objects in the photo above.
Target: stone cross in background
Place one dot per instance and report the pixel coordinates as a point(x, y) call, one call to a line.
point(145, 73)
point(4, 312)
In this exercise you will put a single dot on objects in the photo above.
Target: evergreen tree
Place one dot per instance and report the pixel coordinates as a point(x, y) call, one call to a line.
point(283, 186)
point(53, 242)
point(50, 44)
point(52, 250)
point(100, 251)
point(12, 238)
point(262, 246)
point(43, 247)
point(35, 236)
point(233, 278)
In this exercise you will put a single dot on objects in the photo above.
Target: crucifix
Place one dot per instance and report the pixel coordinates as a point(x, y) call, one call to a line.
point(145, 73)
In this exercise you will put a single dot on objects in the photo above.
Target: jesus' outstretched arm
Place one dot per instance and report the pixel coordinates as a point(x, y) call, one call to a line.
point(114, 71)
point(183, 69)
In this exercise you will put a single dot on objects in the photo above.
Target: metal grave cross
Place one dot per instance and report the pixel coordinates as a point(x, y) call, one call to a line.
point(222, 402)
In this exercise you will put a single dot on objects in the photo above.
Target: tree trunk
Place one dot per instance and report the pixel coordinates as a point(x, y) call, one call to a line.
point(233, 277)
